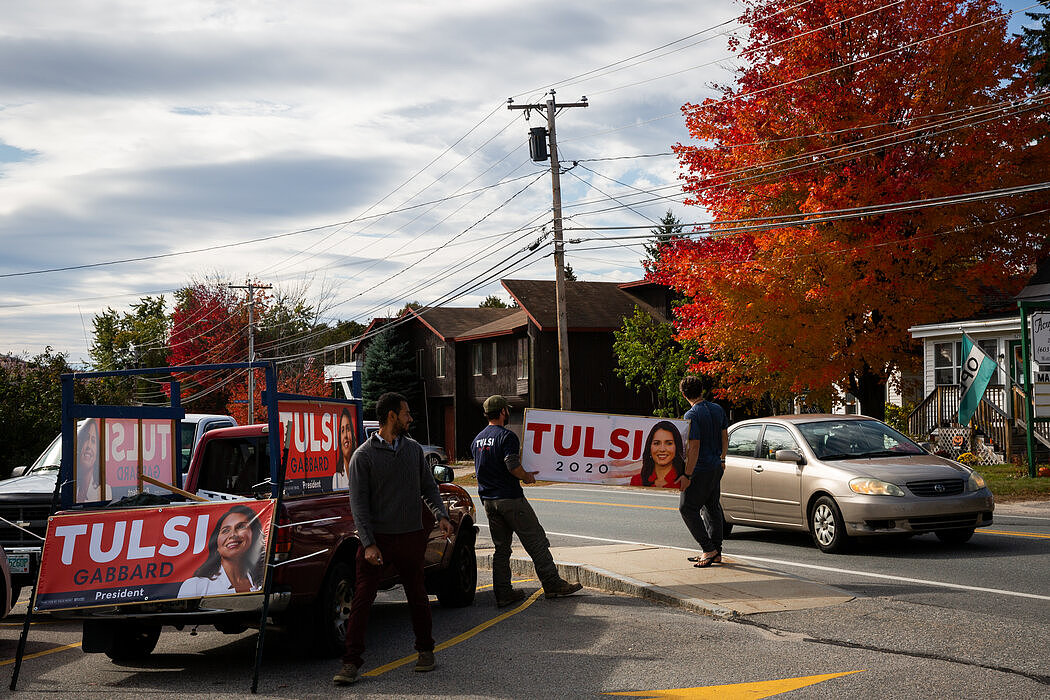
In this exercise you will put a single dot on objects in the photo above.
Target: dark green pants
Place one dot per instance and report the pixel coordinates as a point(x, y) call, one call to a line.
point(510, 516)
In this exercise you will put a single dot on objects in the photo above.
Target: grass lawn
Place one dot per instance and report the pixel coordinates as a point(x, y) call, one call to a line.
point(1011, 483)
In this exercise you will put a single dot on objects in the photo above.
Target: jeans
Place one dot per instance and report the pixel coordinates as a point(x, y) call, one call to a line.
point(405, 553)
point(701, 510)
point(508, 516)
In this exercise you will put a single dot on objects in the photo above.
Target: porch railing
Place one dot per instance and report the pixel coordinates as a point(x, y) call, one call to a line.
point(940, 409)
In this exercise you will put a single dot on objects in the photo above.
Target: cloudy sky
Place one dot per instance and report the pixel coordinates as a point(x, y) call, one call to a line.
point(361, 148)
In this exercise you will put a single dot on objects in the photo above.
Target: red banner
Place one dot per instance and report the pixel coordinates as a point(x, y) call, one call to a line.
point(324, 435)
point(113, 557)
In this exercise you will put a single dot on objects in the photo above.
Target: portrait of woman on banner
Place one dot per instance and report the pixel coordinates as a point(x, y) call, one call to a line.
point(345, 446)
point(235, 557)
point(663, 459)
point(87, 463)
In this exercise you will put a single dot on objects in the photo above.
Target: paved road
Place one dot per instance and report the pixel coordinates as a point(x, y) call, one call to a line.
point(993, 573)
point(898, 639)
point(585, 646)
point(986, 603)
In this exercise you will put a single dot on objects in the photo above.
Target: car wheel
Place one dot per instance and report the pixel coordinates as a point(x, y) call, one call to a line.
point(333, 610)
point(133, 641)
point(460, 580)
point(958, 536)
point(433, 460)
point(827, 527)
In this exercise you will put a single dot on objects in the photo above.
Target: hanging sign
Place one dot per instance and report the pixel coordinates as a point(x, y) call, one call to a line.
point(1041, 337)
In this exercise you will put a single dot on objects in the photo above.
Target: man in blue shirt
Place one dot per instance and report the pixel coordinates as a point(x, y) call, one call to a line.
point(705, 461)
point(497, 464)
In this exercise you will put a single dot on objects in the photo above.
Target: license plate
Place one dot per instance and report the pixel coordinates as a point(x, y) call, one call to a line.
point(18, 563)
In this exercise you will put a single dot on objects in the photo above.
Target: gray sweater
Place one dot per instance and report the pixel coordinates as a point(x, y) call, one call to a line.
point(386, 485)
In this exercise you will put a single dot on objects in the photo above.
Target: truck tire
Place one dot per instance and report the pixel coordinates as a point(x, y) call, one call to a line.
point(333, 610)
point(133, 641)
point(460, 580)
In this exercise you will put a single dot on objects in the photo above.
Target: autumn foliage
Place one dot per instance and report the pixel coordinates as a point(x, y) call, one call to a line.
point(210, 326)
point(843, 104)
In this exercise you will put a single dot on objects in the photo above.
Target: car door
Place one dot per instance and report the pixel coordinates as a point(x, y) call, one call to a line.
point(776, 486)
point(736, 481)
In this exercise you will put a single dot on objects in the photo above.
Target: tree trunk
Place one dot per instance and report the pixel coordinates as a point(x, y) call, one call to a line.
point(870, 390)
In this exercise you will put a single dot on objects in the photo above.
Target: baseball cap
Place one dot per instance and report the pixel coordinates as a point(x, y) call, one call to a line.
point(495, 403)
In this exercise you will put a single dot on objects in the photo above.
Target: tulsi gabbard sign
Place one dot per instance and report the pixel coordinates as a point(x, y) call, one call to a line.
point(603, 449)
point(113, 557)
point(324, 436)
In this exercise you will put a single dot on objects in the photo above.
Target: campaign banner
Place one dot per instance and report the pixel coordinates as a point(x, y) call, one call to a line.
point(324, 436)
point(599, 448)
point(113, 453)
point(117, 557)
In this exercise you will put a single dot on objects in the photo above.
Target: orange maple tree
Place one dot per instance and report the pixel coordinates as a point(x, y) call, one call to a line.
point(208, 326)
point(843, 104)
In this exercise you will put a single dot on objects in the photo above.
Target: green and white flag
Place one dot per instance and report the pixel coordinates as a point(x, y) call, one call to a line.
point(976, 371)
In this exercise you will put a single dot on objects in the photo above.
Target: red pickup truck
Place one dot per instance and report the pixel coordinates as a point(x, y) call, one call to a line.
point(315, 544)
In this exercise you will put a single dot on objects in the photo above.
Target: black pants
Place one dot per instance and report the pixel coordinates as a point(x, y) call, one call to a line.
point(701, 510)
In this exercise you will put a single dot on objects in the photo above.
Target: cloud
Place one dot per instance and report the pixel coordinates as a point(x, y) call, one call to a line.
point(132, 129)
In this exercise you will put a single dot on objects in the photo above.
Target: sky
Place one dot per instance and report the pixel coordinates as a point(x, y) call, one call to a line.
point(362, 151)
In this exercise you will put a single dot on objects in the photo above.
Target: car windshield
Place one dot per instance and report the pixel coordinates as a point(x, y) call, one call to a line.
point(850, 439)
point(50, 459)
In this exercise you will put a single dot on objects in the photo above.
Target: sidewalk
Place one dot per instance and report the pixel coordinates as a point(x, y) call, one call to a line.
point(662, 574)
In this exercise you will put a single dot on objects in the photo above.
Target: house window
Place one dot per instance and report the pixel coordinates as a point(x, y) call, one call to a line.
point(991, 348)
point(523, 358)
point(945, 367)
point(439, 360)
point(476, 355)
point(492, 369)
point(947, 356)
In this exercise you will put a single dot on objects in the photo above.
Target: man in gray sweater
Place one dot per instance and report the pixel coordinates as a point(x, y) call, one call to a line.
point(388, 475)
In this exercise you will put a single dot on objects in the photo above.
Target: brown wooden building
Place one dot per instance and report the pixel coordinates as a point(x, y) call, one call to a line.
point(467, 354)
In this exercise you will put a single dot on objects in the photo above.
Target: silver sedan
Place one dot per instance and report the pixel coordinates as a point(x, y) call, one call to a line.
point(841, 477)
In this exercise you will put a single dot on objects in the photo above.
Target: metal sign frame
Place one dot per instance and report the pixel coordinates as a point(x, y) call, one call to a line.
point(72, 411)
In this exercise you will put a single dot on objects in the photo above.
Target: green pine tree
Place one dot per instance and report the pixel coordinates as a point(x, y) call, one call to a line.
point(1036, 41)
point(389, 366)
point(669, 228)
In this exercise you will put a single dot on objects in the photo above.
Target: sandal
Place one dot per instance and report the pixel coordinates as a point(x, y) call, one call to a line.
point(704, 562)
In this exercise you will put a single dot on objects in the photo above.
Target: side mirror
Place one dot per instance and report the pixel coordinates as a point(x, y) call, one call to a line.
point(790, 456)
point(928, 446)
point(444, 474)
point(19, 471)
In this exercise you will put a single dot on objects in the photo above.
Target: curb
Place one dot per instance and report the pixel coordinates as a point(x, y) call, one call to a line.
point(594, 577)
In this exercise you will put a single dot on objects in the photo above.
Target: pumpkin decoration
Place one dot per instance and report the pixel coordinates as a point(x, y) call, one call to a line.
point(1043, 471)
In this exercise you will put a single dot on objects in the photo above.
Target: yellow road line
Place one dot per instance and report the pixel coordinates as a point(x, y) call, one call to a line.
point(458, 638)
point(736, 691)
point(599, 503)
point(1037, 535)
point(7, 662)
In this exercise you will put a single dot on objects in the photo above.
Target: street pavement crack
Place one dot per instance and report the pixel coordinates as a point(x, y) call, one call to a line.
point(1038, 678)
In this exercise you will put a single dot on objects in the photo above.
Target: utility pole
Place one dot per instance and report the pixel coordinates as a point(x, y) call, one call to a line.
point(551, 108)
point(251, 287)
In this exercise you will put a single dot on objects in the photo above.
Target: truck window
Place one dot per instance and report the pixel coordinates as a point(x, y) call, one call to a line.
point(235, 466)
